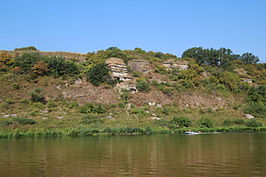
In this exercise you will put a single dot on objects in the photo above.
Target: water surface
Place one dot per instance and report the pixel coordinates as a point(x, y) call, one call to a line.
point(228, 154)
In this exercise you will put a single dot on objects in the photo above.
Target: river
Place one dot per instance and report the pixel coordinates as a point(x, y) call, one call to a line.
point(224, 154)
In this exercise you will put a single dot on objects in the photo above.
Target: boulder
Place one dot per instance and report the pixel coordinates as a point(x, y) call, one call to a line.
point(155, 118)
point(249, 116)
point(6, 116)
point(78, 81)
point(127, 85)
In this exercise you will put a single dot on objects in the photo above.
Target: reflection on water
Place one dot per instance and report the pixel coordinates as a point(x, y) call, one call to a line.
point(229, 154)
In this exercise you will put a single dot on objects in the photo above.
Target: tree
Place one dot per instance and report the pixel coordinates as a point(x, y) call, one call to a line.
point(218, 58)
point(60, 67)
point(98, 74)
point(114, 52)
point(249, 58)
point(139, 50)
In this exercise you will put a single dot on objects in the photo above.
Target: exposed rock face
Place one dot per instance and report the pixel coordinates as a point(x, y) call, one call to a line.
point(172, 64)
point(140, 66)
point(156, 97)
point(194, 100)
point(127, 85)
point(88, 93)
point(118, 69)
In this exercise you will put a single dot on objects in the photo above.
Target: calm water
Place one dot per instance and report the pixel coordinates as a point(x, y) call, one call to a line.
point(229, 154)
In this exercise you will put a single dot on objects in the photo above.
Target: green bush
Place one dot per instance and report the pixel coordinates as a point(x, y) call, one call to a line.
point(230, 80)
point(57, 66)
point(26, 61)
point(98, 74)
point(253, 123)
point(92, 108)
point(143, 86)
point(257, 94)
point(24, 121)
point(37, 96)
point(60, 67)
point(166, 90)
point(181, 122)
point(256, 109)
point(205, 122)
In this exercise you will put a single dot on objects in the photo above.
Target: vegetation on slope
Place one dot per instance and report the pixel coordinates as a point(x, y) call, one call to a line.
point(33, 89)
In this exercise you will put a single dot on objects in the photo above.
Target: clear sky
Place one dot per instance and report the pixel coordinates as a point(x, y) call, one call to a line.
point(161, 25)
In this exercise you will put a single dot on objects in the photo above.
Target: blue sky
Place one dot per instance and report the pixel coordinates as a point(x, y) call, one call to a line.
point(161, 25)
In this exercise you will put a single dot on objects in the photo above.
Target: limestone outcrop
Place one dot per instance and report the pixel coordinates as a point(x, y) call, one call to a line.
point(179, 64)
point(118, 69)
point(141, 66)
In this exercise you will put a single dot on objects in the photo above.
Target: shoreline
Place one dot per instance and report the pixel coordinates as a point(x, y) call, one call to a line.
point(128, 131)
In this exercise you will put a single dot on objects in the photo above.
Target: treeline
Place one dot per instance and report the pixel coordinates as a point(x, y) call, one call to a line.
point(222, 57)
point(34, 63)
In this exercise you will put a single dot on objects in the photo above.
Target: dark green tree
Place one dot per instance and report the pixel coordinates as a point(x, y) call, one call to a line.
point(60, 67)
point(249, 58)
point(98, 74)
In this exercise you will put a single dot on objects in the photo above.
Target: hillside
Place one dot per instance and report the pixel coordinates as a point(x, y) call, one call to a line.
point(121, 89)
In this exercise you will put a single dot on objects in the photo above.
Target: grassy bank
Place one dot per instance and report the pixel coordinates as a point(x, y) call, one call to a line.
point(128, 131)
point(77, 124)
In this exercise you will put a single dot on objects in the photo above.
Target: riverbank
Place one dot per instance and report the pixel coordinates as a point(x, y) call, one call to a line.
point(128, 131)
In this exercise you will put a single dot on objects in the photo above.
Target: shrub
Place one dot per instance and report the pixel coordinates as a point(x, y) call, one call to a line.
point(26, 61)
point(166, 90)
point(92, 108)
point(143, 86)
point(5, 60)
point(60, 67)
point(40, 68)
point(181, 122)
point(230, 80)
point(257, 94)
point(26, 48)
point(37, 96)
point(205, 122)
point(24, 121)
point(98, 74)
point(166, 110)
point(256, 109)
point(139, 50)
point(42, 65)
point(253, 123)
